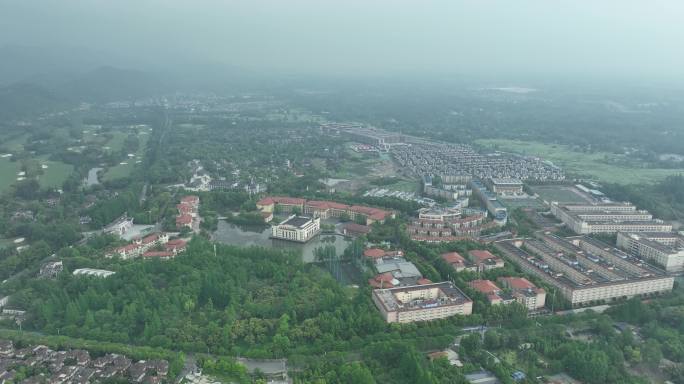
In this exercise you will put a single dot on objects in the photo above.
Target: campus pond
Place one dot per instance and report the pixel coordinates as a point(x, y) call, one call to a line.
point(228, 233)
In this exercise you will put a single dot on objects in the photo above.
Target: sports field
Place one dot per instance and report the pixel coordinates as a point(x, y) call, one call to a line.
point(589, 165)
point(560, 193)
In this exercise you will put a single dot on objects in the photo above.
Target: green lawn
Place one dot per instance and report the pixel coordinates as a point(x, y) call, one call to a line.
point(590, 165)
point(55, 174)
point(8, 173)
point(123, 170)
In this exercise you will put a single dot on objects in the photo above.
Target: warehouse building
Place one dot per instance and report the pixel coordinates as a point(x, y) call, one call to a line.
point(585, 270)
point(421, 302)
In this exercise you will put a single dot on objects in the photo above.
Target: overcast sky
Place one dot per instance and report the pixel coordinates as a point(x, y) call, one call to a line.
point(642, 39)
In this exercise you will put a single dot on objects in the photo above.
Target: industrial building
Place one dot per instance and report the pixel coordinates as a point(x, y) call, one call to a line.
point(664, 248)
point(297, 228)
point(421, 302)
point(585, 270)
point(607, 218)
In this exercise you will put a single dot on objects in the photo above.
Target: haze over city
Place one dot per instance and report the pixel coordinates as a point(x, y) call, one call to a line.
point(341, 192)
point(634, 39)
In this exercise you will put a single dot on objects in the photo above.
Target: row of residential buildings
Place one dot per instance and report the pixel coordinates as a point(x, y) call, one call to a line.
point(608, 217)
point(324, 209)
point(188, 213)
point(585, 270)
point(425, 157)
point(664, 248)
point(75, 366)
point(156, 245)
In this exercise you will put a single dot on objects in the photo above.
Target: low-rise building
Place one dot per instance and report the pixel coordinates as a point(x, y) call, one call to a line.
point(297, 228)
point(120, 226)
point(421, 302)
point(485, 260)
point(93, 272)
point(139, 246)
point(524, 292)
point(458, 262)
point(51, 269)
point(494, 294)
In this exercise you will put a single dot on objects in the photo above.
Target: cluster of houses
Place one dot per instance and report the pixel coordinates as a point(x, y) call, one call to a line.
point(75, 366)
point(515, 289)
point(188, 213)
point(156, 245)
point(477, 261)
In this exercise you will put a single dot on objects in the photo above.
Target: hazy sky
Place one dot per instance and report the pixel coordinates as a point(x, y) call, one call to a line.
point(643, 39)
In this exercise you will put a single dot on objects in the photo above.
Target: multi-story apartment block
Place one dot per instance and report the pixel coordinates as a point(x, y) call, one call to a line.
point(664, 248)
point(421, 302)
point(585, 270)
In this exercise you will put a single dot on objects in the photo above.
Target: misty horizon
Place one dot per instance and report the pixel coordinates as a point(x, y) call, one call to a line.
point(494, 40)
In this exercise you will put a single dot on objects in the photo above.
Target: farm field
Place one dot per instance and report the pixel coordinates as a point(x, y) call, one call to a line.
point(589, 165)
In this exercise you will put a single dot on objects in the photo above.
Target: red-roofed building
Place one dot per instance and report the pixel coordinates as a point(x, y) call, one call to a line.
point(490, 289)
point(383, 280)
point(353, 229)
point(139, 246)
point(185, 209)
point(190, 200)
point(525, 292)
point(324, 209)
point(176, 246)
point(485, 260)
point(374, 253)
point(162, 255)
point(183, 221)
point(285, 204)
point(458, 262)
point(423, 281)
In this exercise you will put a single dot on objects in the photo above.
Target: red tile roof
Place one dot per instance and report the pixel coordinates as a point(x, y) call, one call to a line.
point(484, 286)
point(453, 258)
point(374, 253)
point(150, 239)
point(358, 228)
point(190, 199)
point(481, 255)
point(423, 281)
point(383, 280)
point(517, 282)
point(184, 219)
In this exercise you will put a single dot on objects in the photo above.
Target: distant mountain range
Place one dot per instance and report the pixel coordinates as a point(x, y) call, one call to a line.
point(37, 80)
